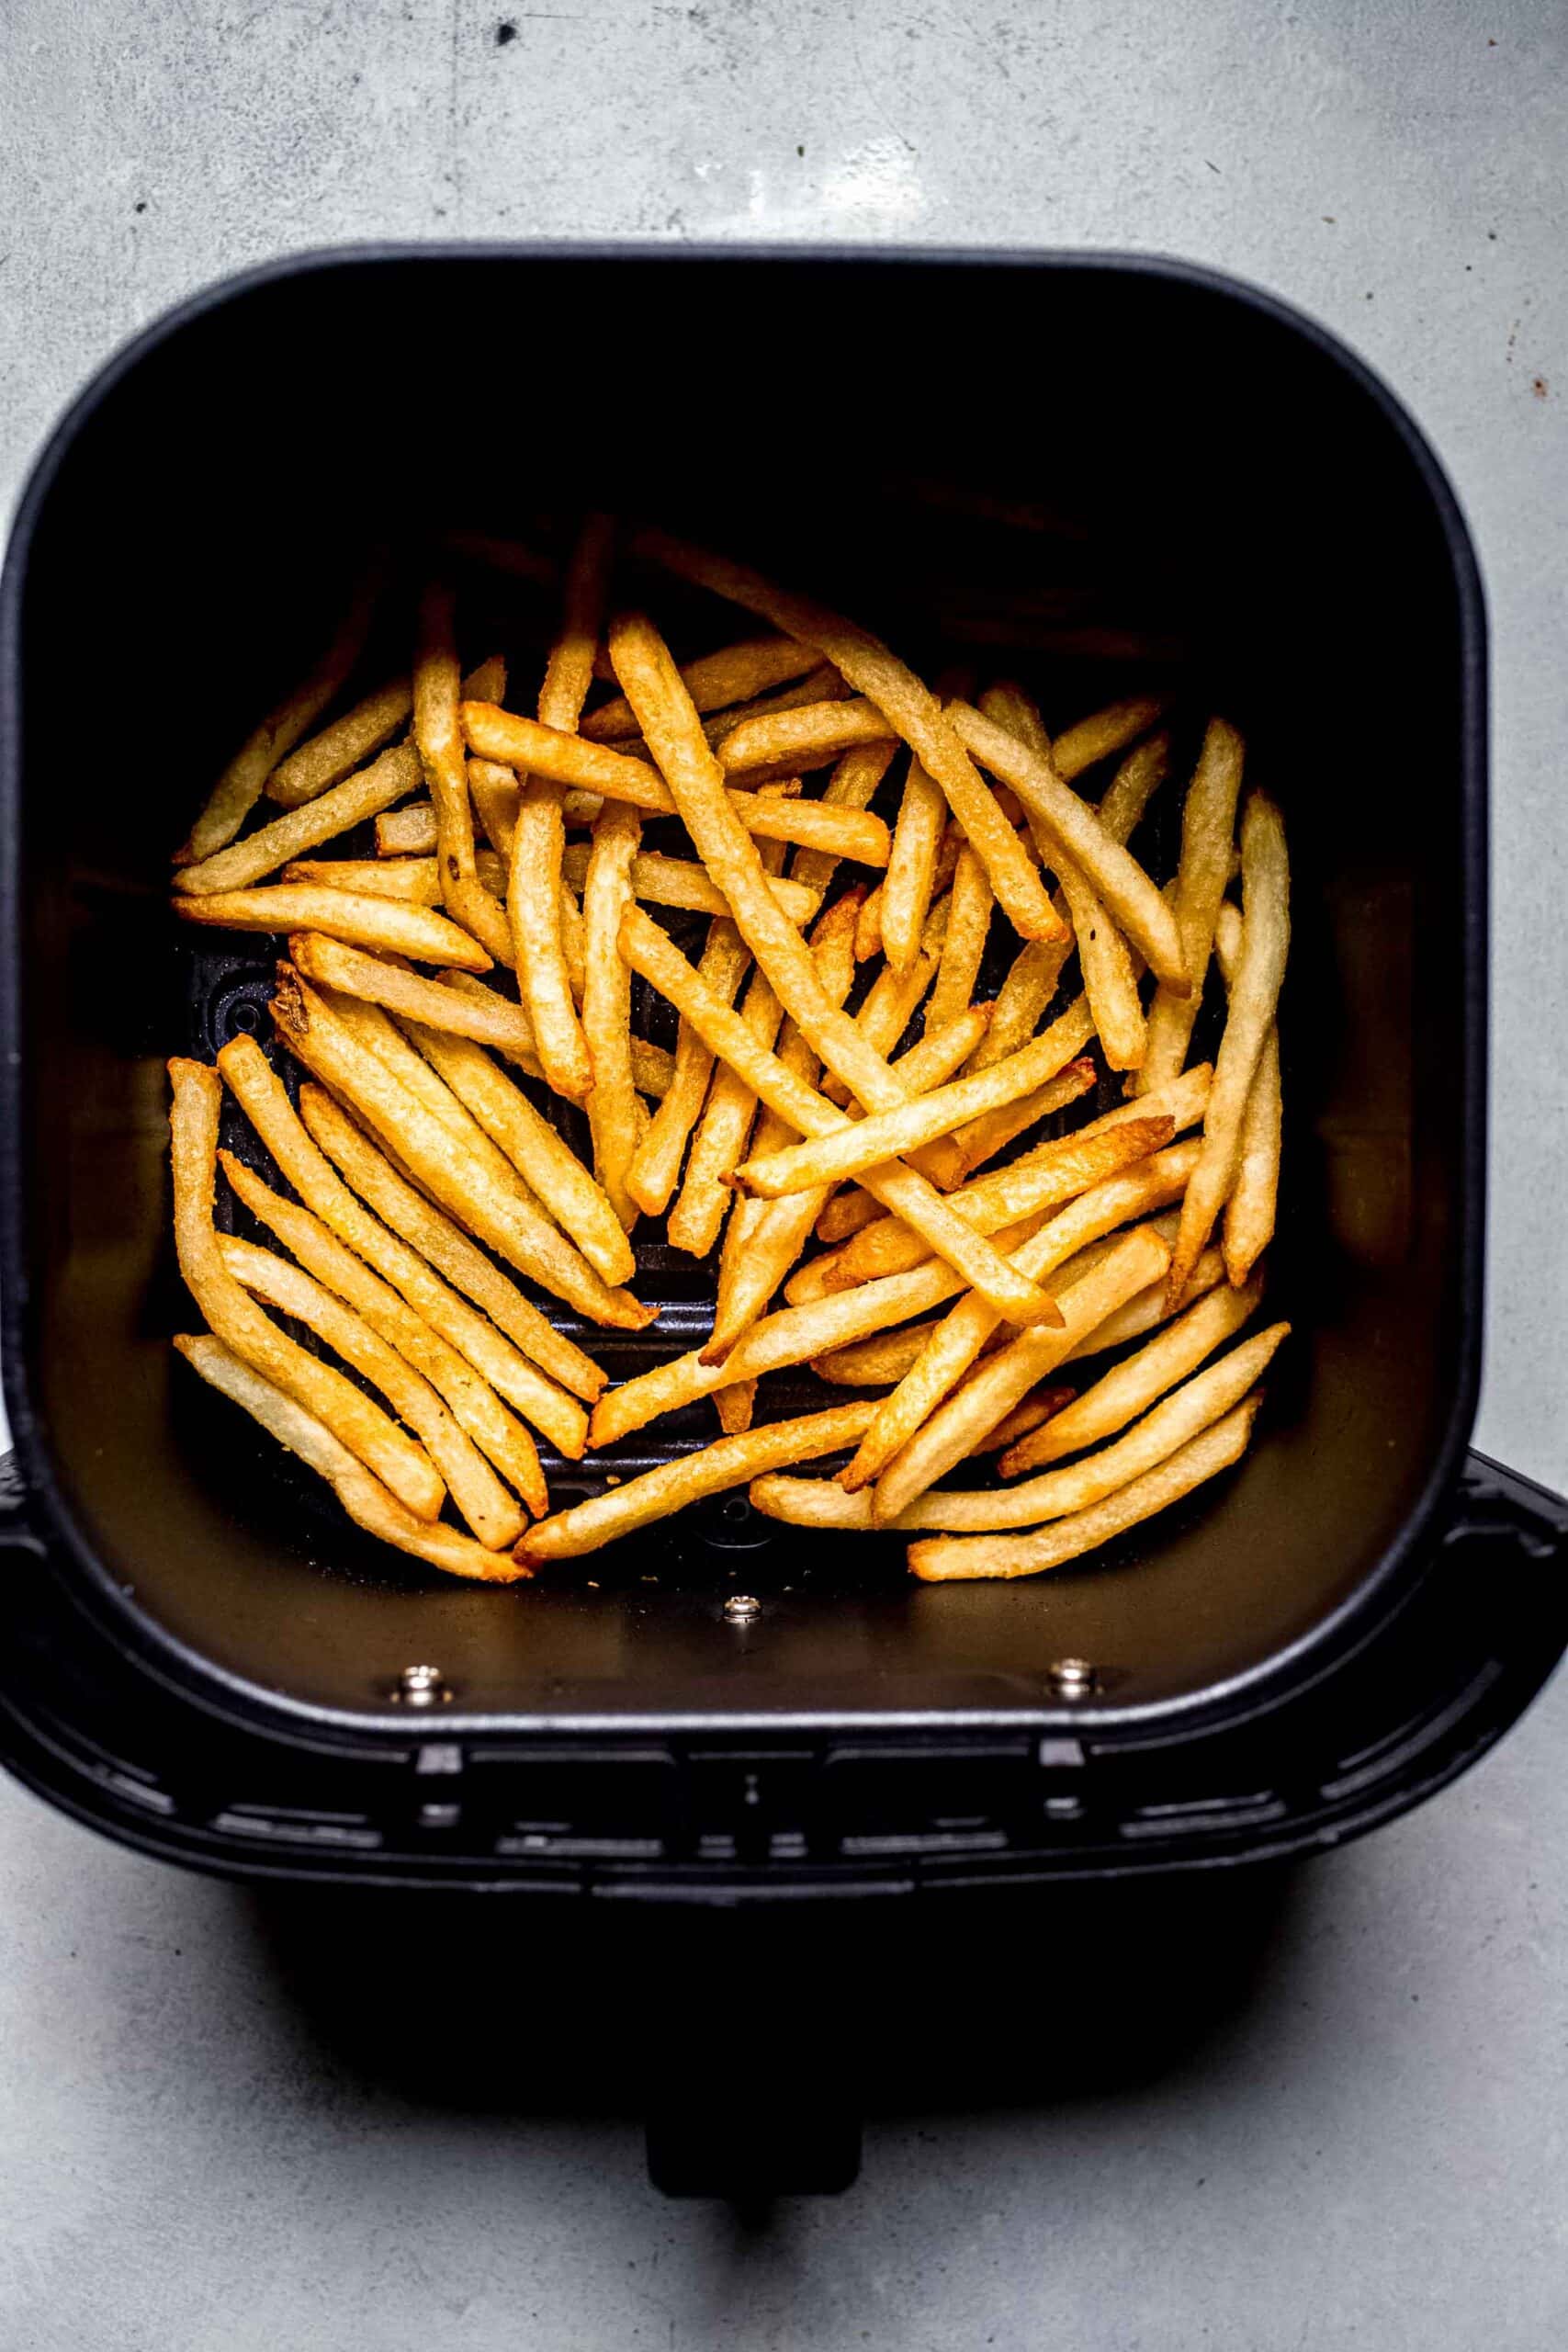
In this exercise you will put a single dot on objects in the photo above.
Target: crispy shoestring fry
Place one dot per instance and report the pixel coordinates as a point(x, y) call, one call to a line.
point(730, 1462)
point(736, 1407)
point(853, 785)
point(963, 946)
point(661, 881)
point(413, 880)
point(364, 1497)
point(339, 749)
point(607, 1004)
point(944, 1559)
point(437, 688)
point(391, 777)
point(908, 883)
point(366, 921)
point(734, 674)
point(811, 736)
point(1208, 830)
point(1103, 733)
point(235, 1319)
point(655, 1170)
point(1250, 1211)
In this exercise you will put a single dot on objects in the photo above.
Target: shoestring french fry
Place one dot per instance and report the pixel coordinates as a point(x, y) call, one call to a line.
point(721, 1133)
point(495, 793)
point(413, 880)
point(908, 883)
point(1112, 871)
point(812, 736)
point(388, 925)
point(880, 1362)
point(656, 1166)
point(952, 1160)
point(818, 686)
point(903, 1189)
point(366, 1501)
point(236, 1319)
point(1250, 1210)
point(474, 1487)
point(1041, 1405)
point(653, 1067)
point(1254, 998)
point(241, 785)
point(1020, 1001)
point(1138, 1381)
point(730, 1462)
point(868, 934)
point(390, 778)
point(963, 946)
point(909, 707)
point(403, 833)
point(945, 1437)
point(1103, 733)
point(437, 689)
point(335, 965)
point(736, 1407)
point(607, 1005)
point(339, 749)
point(945, 1559)
point(736, 674)
point(661, 881)
point(1208, 833)
point(853, 785)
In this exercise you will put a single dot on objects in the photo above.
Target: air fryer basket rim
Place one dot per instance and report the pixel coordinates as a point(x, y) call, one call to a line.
point(1319, 1650)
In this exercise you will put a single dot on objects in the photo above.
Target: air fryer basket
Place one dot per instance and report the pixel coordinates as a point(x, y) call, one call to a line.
point(1084, 473)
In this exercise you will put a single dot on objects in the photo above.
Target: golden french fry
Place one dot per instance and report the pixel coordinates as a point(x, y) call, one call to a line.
point(505, 1344)
point(655, 1168)
point(853, 785)
point(853, 833)
point(946, 1436)
point(951, 1162)
point(607, 1004)
point(652, 953)
point(1208, 830)
point(820, 686)
point(339, 749)
point(366, 1501)
point(413, 880)
point(1138, 1382)
point(908, 885)
point(716, 680)
point(653, 1067)
point(887, 1135)
point(1041, 1179)
point(391, 777)
point(1148, 1310)
point(436, 687)
point(472, 1485)
point(963, 946)
point(1129, 895)
point(721, 1133)
point(552, 1173)
point(1250, 1210)
point(736, 1407)
point(946, 1559)
point(366, 920)
point(811, 736)
point(236, 1319)
point(1021, 999)
point(403, 832)
point(461, 1180)
point(419, 1240)
point(909, 707)
point(730, 1462)
point(1103, 732)
point(662, 881)
point(495, 793)
point(1041, 1405)
point(335, 965)
point(890, 1004)
point(239, 787)
point(879, 1362)
point(1255, 995)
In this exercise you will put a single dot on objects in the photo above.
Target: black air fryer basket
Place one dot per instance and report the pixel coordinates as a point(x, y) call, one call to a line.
point(1098, 471)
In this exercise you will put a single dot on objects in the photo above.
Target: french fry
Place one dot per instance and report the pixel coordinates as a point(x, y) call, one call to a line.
point(534, 899)
point(1138, 1382)
point(335, 965)
point(1147, 1311)
point(811, 736)
point(951, 1162)
point(460, 1181)
point(413, 880)
point(1103, 732)
point(473, 1485)
point(239, 787)
point(730, 1462)
point(1250, 1210)
point(1041, 1405)
point(946, 1436)
point(607, 1005)
point(853, 785)
point(1208, 830)
point(404, 832)
point(1109, 980)
point(376, 1030)
point(909, 884)
point(391, 777)
point(364, 1497)
point(734, 674)
point(868, 935)
point(944, 1559)
point(721, 1133)
point(495, 795)
point(1115, 874)
point(1255, 994)
point(888, 1134)
point(656, 1166)
point(890, 1004)
point(650, 952)
point(391, 1313)
point(1043, 1178)
point(879, 1362)
point(552, 1173)
point(504, 1343)
point(662, 881)
point(963, 946)
point(1021, 999)
point(235, 1319)
point(653, 1067)
point(339, 749)
point(910, 707)
point(405, 1240)
point(362, 919)
point(569, 761)
point(816, 686)
point(736, 1407)
point(437, 683)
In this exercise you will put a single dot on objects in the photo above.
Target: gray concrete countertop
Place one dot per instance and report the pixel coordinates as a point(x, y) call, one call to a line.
point(1340, 2119)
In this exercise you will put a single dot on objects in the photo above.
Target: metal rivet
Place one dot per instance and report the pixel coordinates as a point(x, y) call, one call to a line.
point(421, 1686)
point(740, 1609)
point(1072, 1678)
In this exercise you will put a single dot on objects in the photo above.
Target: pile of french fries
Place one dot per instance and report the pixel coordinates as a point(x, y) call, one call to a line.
point(479, 946)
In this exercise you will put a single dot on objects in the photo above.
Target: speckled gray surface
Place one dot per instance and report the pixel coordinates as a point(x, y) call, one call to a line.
point(1350, 2133)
